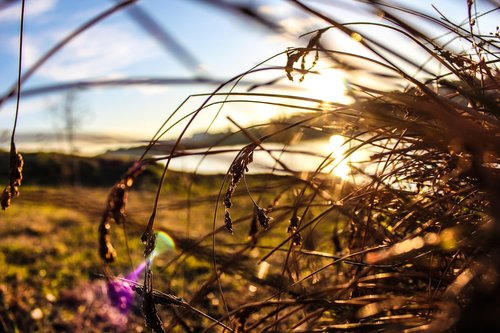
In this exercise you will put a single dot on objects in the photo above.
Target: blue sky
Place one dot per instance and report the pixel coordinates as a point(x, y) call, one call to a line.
point(225, 45)
point(119, 48)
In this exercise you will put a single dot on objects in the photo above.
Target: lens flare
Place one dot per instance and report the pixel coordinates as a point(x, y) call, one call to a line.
point(163, 243)
point(120, 291)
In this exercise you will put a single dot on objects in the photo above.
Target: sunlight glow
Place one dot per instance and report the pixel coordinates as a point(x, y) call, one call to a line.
point(329, 86)
point(342, 170)
point(335, 143)
point(262, 270)
point(337, 148)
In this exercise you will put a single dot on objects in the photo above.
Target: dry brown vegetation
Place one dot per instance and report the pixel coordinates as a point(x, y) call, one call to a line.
point(408, 243)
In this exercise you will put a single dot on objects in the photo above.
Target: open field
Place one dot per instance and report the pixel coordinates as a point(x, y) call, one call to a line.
point(49, 262)
point(53, 277)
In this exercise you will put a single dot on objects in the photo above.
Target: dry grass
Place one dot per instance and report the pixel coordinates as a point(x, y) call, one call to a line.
point(411, 247)
point(409, 243)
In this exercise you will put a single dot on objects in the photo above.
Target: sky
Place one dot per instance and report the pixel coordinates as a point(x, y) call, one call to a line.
point(223, 44)
point(118, 47)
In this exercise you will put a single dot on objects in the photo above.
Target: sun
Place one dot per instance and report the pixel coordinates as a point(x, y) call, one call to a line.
point(335, 144)
point(328, 85)
point(337, 148)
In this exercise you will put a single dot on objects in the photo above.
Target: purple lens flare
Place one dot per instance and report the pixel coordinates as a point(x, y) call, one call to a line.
point(120, 291)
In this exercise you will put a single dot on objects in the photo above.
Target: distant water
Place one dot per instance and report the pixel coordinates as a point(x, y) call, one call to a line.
point(83, 144)
point(263, 161)
point(305, 156)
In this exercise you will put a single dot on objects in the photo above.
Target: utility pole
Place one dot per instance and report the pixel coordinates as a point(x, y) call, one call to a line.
point(71, 116)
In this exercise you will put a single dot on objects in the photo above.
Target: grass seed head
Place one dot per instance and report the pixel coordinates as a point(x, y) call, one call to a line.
point(228, 222)
point(237, 171)
point(262, 217)
point(118, 197)
point(227, 199)
point(115, 210)
point(294, 224)
point(293, 229)
point(149, 240)
point(6, 197)
point(117, 202)
point(16, 176)
point(106, 250)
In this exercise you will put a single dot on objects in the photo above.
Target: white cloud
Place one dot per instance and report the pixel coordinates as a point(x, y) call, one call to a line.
point(32, 48)
point(151, 90)
point(300, 25)
point(290, 18)
point(28, 106)
point(277, 9)
point(33, 9)
point(100, 51)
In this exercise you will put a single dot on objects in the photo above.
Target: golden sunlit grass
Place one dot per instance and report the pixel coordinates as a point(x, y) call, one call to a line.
point(386, 233)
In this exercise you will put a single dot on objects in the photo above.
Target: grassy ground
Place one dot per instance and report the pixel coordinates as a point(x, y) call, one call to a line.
point(53, 279)
point(48, 258)
point(49, 262)
point(51, 272)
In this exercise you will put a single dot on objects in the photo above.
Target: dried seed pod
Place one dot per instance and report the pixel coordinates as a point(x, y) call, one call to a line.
point(106, 250)
point(293, 229)
point(16, 173)
point(228, 222)
point(115, 211)
point(117, 198)
point(241, 162)
point(237, 171)
point(16, 176)
point(150, 244)
point(297, 239)
point(262, 217)
point(118, 201)
point(294, 55)
point(294, 224)
point(227, 200)
point(6, 196)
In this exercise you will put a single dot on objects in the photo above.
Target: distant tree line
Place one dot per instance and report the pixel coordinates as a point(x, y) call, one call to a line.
point(57, 169)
